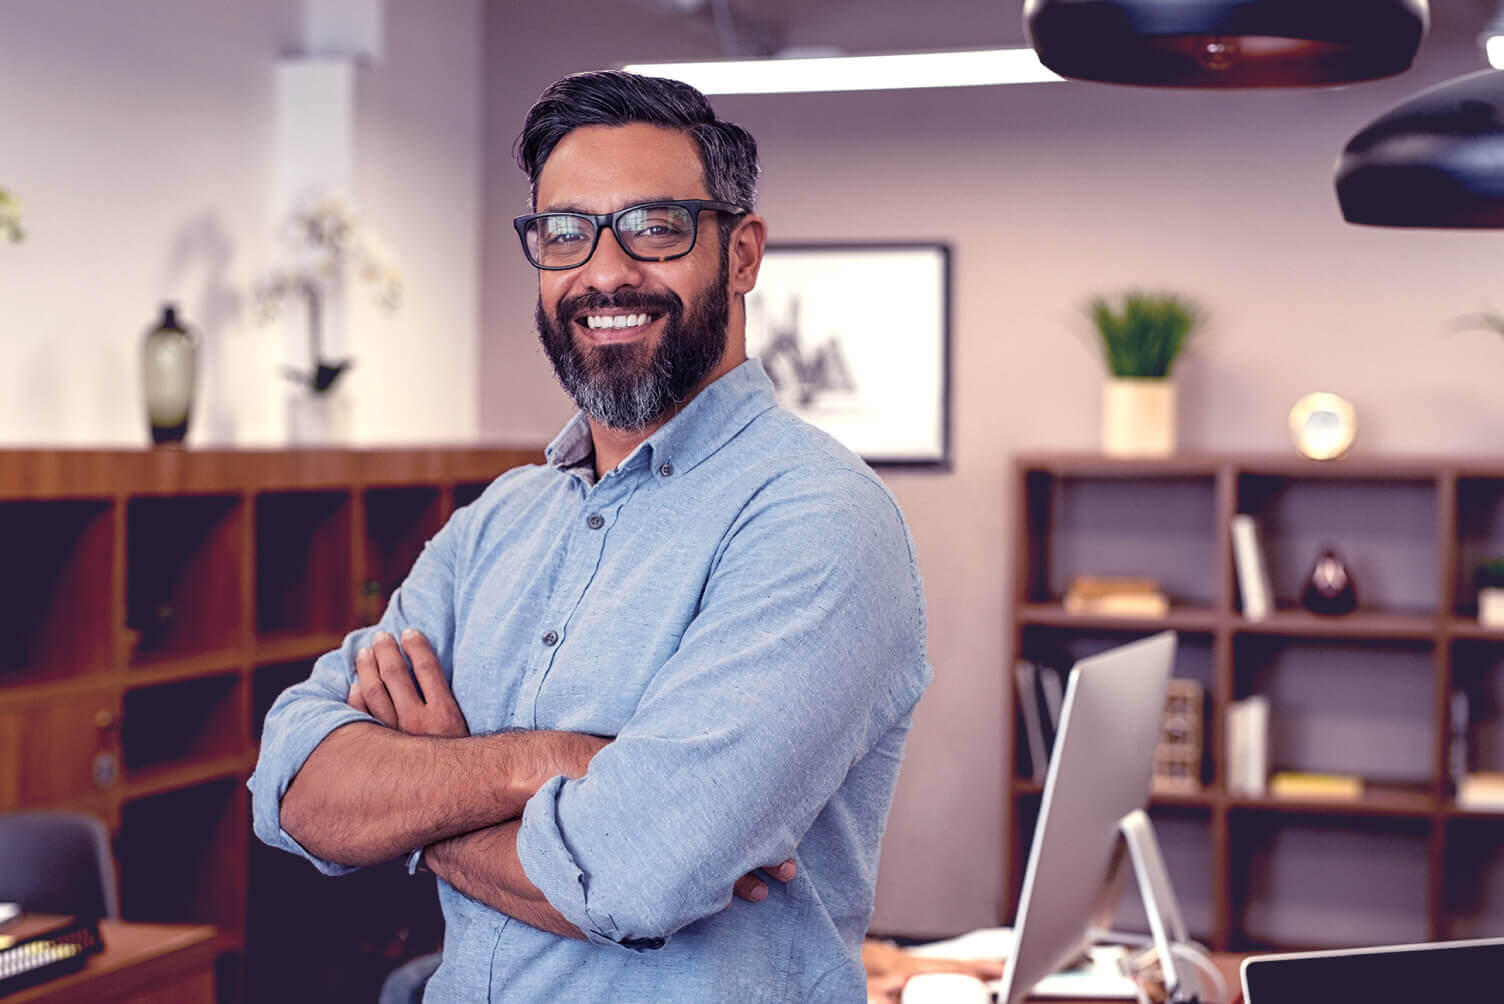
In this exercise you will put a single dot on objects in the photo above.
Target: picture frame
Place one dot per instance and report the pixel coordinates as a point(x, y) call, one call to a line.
point(856, 338)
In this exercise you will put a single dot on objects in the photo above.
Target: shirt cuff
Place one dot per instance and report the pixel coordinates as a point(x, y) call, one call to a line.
point(282, 756)
point(548, 865)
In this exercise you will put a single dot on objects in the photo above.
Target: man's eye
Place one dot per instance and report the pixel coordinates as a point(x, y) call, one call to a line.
point(563, 238)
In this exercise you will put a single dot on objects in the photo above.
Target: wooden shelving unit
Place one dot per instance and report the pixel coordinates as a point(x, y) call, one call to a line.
point(1366, 693)
point(156, 604)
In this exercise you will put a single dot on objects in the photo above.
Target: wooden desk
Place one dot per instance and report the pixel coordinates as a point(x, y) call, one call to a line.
point(140, 964)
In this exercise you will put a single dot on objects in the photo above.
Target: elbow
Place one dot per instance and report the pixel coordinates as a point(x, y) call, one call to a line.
point(642, 911)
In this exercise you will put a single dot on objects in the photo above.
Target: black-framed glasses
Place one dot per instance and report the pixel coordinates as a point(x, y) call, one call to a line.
point(654, 231)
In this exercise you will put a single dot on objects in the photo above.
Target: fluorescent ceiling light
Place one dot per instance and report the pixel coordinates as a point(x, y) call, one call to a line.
point(1494, 46)
point(973, 68)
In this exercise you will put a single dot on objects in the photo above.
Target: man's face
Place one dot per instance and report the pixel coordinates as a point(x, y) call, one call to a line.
point(630, 377)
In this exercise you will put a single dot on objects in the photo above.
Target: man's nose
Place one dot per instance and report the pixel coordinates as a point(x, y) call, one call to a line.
point(610, 267)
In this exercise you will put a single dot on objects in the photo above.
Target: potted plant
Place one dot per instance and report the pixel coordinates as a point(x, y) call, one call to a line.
point(1141, 338)
point(328, 247)
point(1490, 580)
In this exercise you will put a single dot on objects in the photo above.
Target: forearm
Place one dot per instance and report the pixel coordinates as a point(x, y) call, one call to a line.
point(484, 866)
point(369, 794)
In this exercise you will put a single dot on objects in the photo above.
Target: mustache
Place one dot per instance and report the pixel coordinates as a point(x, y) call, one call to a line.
point(622, 299)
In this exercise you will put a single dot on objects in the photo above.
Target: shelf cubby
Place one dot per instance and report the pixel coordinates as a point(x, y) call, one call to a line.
point(1345, 707)
point(1480, 536)
point(399, 522)
point(183, 722)
point(57, 601)
point(1327, 882)
point(174, 851)
point(1161, 527)
point(1475, 880)
point(185, 557)
point(303, 561)
point(1383, 529)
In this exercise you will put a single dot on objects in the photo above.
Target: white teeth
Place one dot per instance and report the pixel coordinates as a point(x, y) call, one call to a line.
point(615, 320)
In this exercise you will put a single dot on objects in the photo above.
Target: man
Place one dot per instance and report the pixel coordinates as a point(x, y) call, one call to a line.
point(687, 647)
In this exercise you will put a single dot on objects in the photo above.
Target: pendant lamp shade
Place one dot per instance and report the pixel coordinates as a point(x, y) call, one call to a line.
point(1226, 43)
point(1433, 160)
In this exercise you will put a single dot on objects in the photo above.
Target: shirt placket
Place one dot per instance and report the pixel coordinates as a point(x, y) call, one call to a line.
point(588, 529)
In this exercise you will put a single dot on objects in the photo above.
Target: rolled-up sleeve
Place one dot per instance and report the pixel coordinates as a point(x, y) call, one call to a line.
point(305, 714)
point(807, 648)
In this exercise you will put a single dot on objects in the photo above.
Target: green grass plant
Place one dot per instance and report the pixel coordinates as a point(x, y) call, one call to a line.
point(1145, 333)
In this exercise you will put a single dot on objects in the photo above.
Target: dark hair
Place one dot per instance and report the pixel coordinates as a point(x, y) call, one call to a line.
point(728, 153)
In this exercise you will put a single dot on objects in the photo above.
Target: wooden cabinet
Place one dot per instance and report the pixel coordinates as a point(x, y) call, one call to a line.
point(1366, 693)
point(156, 603)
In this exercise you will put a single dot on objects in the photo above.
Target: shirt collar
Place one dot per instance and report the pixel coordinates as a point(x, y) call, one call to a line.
point(704, 425)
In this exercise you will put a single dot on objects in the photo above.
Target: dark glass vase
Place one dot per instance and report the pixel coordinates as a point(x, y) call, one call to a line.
point(1329, 588)
point(169, 364)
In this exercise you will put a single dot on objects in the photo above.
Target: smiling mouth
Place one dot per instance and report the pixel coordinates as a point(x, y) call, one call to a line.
point(596, 322)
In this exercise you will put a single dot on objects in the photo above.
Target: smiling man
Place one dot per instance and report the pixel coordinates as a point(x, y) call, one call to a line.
point(686, 648)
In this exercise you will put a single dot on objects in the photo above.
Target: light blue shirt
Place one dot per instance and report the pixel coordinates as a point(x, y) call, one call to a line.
point(738, 604)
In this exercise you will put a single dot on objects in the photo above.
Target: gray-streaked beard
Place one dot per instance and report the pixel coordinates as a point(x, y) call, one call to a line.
point(630, 386)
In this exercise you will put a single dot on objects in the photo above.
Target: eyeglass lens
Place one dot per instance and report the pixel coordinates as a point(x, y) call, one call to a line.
point(650, 233)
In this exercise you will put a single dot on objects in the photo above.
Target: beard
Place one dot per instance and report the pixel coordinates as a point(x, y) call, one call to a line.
point(632, 386)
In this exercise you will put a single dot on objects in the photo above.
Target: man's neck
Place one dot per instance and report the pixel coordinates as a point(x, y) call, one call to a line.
point(612, 446)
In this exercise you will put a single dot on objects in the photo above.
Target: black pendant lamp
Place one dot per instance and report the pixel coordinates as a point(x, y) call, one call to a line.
point(1433, 160)
point(1226, 43)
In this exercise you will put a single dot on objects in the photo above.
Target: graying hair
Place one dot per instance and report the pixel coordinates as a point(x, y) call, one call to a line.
point(728, 153)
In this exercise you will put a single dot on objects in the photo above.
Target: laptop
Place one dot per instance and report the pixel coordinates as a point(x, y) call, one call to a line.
point(1390, 974)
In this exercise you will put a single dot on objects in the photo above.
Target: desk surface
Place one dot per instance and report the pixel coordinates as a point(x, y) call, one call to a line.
point(140, 963)
point(1227, 963)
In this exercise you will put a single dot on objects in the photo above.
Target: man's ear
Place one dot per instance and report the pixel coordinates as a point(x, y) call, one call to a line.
point(744, 256)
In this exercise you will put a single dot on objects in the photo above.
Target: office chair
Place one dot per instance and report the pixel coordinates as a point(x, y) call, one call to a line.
point(57, 862)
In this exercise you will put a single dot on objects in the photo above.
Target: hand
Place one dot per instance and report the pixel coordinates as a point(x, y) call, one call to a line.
point(754, 890)
point(384, 688)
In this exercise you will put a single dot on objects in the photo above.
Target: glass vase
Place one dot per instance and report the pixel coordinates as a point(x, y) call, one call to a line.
point(169, 364)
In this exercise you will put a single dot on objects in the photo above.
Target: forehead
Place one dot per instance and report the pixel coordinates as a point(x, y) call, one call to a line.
point(603, 168)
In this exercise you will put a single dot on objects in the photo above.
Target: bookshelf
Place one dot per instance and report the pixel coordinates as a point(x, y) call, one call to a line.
point(1365, 693)
point(157, 603)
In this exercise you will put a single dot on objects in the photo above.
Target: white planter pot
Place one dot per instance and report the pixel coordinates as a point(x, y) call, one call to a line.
point(318, 419)
point(1138, 417)
point(1491, 607)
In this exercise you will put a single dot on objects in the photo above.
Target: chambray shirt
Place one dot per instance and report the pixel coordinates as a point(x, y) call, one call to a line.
point(738, 604)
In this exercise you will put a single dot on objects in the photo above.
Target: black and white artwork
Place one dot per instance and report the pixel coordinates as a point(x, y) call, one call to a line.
point(855, 339)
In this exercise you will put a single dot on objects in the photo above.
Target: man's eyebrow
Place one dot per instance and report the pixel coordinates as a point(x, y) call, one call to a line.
point(645, 200)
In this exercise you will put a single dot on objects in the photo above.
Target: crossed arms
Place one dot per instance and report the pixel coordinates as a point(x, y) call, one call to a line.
point(369, 793)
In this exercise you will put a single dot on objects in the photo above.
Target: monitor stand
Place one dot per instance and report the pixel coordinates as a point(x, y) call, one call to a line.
point(1166, 923)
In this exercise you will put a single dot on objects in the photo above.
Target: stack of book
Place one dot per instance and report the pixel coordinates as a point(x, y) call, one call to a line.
point(1248, 747)
point(1118, 597)
point(1254, 586)
point(1331, 787)
point(1177, 758)
point(1481, 791)
point(1040, 691)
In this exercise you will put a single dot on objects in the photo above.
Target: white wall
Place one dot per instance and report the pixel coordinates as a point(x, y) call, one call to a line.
point(1048, 194)
point(139, 137)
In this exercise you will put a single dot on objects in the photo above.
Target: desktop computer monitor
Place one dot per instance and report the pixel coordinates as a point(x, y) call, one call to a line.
point(1391, 974)
point(1099, 773)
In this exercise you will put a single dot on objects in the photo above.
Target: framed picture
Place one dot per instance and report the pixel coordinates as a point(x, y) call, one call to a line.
point(856, 338)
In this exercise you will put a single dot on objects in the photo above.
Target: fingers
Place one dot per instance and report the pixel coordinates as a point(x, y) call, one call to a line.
point(750, 888)
point(372, 690)
point(394, 674)
point(783, 872)
point(355, 699)
point(426, 667)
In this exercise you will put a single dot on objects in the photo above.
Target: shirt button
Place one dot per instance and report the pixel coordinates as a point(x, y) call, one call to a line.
point(667, 470)
point(596, 521)
point(551, 638)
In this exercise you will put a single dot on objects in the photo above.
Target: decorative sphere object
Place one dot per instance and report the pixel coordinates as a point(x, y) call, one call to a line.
point(1329, 587)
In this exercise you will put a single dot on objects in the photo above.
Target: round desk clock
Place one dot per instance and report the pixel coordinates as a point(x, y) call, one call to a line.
point(1323, 426)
